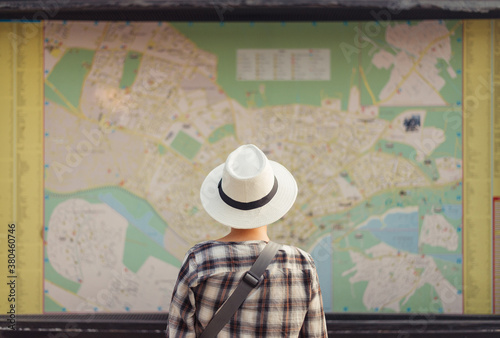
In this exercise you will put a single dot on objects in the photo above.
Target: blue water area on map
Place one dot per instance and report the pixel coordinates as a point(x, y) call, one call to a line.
point(322, 255)
point(141, 223)
point(399, 230)
point(453, 211)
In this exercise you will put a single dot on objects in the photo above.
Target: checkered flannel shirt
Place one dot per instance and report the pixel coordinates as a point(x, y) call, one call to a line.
point(286, 303)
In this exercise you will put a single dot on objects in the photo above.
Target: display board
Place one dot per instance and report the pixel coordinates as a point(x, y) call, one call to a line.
point(109, 128)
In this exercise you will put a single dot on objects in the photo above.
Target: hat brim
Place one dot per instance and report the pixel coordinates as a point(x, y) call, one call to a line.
point(249, 219)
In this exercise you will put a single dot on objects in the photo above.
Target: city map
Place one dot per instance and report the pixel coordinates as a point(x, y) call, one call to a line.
point(367, 117)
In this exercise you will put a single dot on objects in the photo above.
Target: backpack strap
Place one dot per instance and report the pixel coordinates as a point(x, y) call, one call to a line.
point(248, 282)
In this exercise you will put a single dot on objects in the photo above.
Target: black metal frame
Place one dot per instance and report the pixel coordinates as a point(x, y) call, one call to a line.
point(238, 11)
point(153, 325)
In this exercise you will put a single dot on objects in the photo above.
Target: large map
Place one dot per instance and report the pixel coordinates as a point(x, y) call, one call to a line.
point(367, 117)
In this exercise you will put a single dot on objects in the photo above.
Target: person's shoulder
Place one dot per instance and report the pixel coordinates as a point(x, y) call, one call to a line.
point(295, 250)
point(298, 255)
point(202, 247)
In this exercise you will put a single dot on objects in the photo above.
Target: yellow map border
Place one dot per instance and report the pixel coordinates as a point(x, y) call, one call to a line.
point(21, 171)
point(477, 194)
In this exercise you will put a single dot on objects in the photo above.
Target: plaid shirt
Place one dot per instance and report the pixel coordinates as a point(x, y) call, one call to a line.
point(286, 303)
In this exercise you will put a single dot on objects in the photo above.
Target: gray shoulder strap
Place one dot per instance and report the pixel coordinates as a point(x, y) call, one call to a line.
point(249, 281)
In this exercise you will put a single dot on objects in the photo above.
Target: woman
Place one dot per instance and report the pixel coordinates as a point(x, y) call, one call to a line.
point(247, 193)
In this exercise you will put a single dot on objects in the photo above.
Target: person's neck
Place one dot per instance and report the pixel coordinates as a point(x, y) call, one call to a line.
point(240, 235)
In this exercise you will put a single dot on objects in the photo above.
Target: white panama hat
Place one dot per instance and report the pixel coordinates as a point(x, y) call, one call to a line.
point(248, 190)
